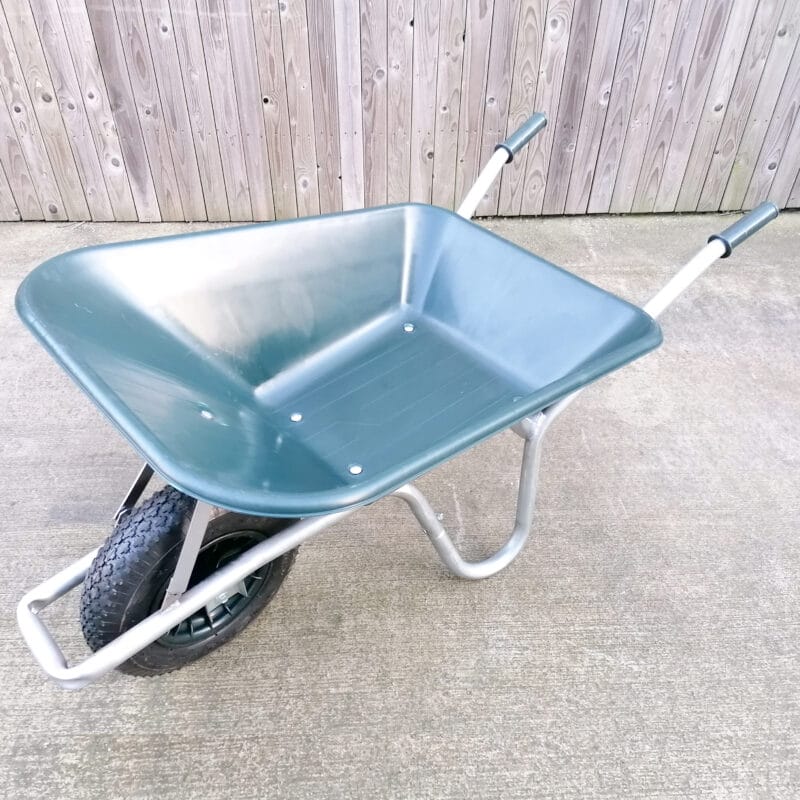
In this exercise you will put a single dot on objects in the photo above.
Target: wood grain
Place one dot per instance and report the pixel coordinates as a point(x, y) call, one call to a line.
point(166, 64)
point(348, 72)
point(595, 105)
point(781, 189)
point(473, 93)
point(400, 53)
point(654, 61)
point(8, 206)
point(374, 58)
point(264, 197)
point(498, 93)
point(623, 91)
point(737, 111)
point(15, 170)
point(548, 92)
point(322, 50)
point(668, 104)
point(29, 69)
point(525, 79)
point(783, 47)
point(139, 62)
point(68, 94)
point(236, 110)
point(711, 117)
point(121, 100)
point(448, 102)
point(698, 82)
point(275, 107)
point(773, 149)
point(568, 122)
point(189, 42)
point(297, 69)
point(423, 99)
point(214, 32)
point(26, 130)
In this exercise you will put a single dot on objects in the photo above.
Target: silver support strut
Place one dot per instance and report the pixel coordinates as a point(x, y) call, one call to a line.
point(135, 492)
point(532, 431)
point(188, 555)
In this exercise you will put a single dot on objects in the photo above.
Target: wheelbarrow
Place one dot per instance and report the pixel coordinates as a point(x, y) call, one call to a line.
point(280, 376)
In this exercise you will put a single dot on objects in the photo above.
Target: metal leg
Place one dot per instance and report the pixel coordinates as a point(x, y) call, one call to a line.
point(188, 555)
point(532, 431)
point(135, 492)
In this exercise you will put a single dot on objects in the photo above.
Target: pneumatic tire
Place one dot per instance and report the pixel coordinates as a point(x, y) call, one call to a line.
point(128, 579)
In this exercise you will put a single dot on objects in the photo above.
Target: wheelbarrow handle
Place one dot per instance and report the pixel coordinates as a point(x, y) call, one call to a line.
point(751, 223)
point(503, 154)
point(720, 245)
point(522, 135)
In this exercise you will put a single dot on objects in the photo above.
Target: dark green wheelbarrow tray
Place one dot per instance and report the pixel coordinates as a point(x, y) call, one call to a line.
point(279, 376)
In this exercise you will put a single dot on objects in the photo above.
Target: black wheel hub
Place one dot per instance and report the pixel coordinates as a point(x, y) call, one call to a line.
point(227, 606)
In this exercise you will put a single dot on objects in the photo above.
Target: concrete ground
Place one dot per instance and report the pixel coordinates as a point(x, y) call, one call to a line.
point(645, 644)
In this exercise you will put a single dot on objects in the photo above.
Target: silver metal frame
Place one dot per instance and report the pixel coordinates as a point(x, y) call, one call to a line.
point(180, 602)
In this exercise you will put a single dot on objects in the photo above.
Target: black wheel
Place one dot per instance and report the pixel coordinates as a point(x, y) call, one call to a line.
point(128, 579)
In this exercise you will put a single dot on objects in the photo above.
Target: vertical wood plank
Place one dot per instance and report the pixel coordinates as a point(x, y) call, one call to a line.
point(275, 105)
point(374, 43)
point(695, 92)
point(473, 93)
point(776, 138)
point(794, 196)
point(709, 119)
point(399, 83)
point(595, 105)
point(188, 40)
point(654, 60)
point(249, 102)
point(26, 129)
point(423, 99)
point(527, 55)
point(68, 93)
point(322, 51)
point(668, 104)
point(764, 105)
point(95, 99)
point(629, 61)
point(568, 121)
point(8, 206)
point(19, 33)
point(748, 78)
point(786, 173)
point(348, 74)
point(16, 169)
point(148, 104)
point(121, 100)
point(498, 93)
point(297, 69)
point(548, 92)
point(214, 32)
point(159, 29)
point(450, 63)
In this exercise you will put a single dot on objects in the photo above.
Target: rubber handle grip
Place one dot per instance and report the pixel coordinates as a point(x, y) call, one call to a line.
point(748, 225)
point(514, 143)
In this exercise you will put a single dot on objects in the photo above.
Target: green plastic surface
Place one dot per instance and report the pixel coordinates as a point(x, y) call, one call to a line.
point(295, 368)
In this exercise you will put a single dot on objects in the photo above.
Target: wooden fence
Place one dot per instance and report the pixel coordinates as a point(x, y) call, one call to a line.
point(254, 109)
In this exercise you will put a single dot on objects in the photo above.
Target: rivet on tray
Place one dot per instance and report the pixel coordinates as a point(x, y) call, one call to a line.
point(408, 327)
point(355, 469)
point(296, 417)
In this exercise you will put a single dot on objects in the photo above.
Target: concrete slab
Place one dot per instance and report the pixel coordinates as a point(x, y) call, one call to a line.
point(646, 644)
